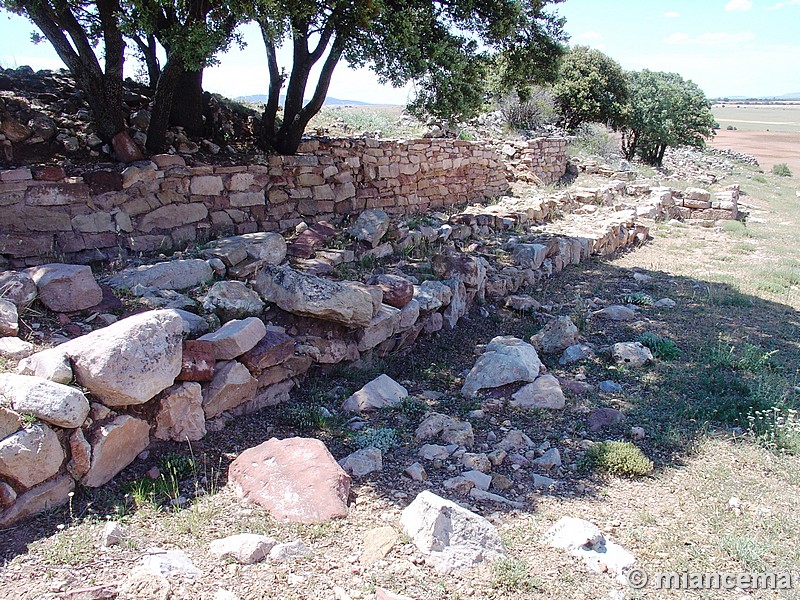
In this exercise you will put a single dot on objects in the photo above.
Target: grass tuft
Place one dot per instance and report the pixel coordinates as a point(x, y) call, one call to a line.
point(619, 458)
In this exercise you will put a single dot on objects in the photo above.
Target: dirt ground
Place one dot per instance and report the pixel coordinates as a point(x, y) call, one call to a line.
point(770, 147)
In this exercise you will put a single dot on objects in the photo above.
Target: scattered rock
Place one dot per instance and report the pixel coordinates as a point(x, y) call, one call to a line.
point(14, 348)
point(452, 538)
point(506, 360)
point(665, 303)
point(370, 226)
point(576, 352)
point(610, 387)
point(144, 583)
point(484, 496)
point(55, 403)
point(379, 393)
point(416, 472)
point(66, 288)
point(232, 385)
point(541, 482)
point(113, 534)
point(244, 548)
point(544, 392)
point(522, 303)
point(45, 496)
point(362, 462)
point(631, 354)
point(556, 336)
point(167, 562)
point(638, 433)
point(9, 319)
point(617, 312)
point(378, 543)
point(602, 418)
point(434, 452)
point(295, 479)
point(18, 288)
point(289, 551)
point(548, 460)
point(587, 542)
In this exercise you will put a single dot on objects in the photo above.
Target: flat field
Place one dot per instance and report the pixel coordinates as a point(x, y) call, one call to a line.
point(771, 132)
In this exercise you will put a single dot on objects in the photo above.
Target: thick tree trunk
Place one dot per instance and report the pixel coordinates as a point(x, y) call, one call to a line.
point(187, 103)
point(165, 93)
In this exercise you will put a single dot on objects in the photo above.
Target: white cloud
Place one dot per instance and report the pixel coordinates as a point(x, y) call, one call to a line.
point(739, 5)
point(722, 38)
point(672, 14)
point(785, 4)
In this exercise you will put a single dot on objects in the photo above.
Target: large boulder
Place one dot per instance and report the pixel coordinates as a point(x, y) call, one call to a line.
point(55, 403)
point(452, 538)
point(506, 360)
point(310, 296)
point(66, 288)
point(30, 456)
point(556, 336)
point(379, 393)
point(172, 275)
point(130, 361)
point(295, 479)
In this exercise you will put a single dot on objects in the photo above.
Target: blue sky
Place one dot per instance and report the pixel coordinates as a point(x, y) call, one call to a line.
point(728, 47)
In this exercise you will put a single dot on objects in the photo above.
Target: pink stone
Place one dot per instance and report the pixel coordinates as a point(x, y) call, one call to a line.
point(125, 148)
point(295, 479)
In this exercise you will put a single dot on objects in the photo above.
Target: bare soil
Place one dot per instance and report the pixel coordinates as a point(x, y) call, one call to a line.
point(770, 147)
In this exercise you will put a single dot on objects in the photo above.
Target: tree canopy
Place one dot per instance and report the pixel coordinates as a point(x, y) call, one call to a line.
point(665, 110)
point(444, 48)
point(591, 87)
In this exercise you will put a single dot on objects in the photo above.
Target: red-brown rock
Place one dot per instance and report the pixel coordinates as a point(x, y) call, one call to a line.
point(197, 361)
point(397, 291)
point(295, 479)
point(125, 148)
point(311, 239)
point(274, 348)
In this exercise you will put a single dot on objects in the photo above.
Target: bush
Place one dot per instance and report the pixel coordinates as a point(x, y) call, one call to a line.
point(538, 110)
point(781, 170)
point(594, 139)
point(382, 438)
point(639, 299)
point(776, 429)
point(661, 347)
point(619, 458)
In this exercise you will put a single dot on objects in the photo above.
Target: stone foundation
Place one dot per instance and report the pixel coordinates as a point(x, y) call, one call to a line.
point(162, 205)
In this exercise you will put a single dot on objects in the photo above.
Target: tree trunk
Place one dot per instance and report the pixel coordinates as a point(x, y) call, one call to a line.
point(162, 104)
point(187, 104)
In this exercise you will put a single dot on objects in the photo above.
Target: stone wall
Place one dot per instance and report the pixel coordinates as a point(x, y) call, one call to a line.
point(163, 204)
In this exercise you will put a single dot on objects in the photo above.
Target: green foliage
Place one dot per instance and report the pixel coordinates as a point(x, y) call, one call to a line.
point(174, 468)
point(382, 438)
point(639, 299)
point(412, 408)
point(619, 458)
point(661, 347)
point(307, 416)
point(776, 428)
point(591, 87)
point(781, 170)
point(666, 111)
point(593, 139)
point(513, 574)
point(531, 114)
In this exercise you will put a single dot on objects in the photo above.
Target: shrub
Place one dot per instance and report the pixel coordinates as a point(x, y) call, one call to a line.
point(594, 139)
point(512, 574)
point(307, 416)
point(382, 438)
point(639, 299)
point(619, 458)
point(781, 170)
point(538, 110)
point(776, 429)
point(661, 347)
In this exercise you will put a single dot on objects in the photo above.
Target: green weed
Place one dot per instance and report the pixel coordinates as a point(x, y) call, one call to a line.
point(619, 458)
point(661, 347)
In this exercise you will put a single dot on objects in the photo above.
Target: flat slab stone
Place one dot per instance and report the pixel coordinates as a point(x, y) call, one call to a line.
point(14, 348)
point(544, 392)
point(235, 337)
point(46, 496)
point(295, 479)
point(180, 413)
point(171, 275)
point(273, 349)
point(232, 385)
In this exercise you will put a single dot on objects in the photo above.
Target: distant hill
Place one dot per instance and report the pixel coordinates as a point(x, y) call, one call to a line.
point(262, 98)
point(795, 96)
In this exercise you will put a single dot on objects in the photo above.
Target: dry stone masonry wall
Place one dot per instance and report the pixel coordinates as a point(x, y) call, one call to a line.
point(163, 204)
